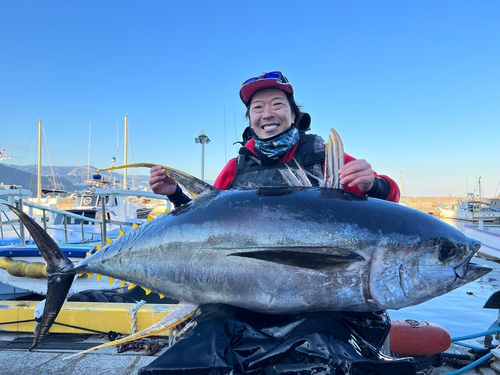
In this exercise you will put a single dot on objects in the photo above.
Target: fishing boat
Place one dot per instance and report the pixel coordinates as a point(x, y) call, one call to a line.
point(489, 235)
point(96, 216)
point(473, 210)
point(9, 223)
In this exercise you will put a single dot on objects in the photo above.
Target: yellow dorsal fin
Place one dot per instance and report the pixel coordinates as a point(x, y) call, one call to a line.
point(161, 296)
point(135, 226)
point(99, 277)
point(90, 275)
point(108, 241)
point(150, 218)
point(111, 281)
point(88, 255)
point(193, 185)
point(148, 292)
point(124, 283)
point(122, 233)
point(99, 248)
point(131, 286)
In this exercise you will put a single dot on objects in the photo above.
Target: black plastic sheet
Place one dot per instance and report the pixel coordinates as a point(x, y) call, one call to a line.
point(229, 340)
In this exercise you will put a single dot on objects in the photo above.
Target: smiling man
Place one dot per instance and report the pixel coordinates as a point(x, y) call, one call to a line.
point(276, 136)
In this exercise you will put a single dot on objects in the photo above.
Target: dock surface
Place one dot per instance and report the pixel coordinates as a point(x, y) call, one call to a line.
point(49, 358)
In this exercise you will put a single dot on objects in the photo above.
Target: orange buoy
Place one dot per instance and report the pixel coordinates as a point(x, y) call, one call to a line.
point(416, 338)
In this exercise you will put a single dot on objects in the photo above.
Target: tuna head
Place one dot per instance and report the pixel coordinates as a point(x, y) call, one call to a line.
point(406, 271)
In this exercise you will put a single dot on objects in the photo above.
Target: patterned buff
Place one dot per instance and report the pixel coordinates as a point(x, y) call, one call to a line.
point(271, 150)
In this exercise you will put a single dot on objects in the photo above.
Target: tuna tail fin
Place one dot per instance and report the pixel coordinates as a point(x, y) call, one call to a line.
point(193, 185)
point(59, 282)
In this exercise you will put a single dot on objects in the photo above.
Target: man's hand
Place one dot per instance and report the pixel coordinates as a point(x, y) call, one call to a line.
point(160, 183)
point(357, 173)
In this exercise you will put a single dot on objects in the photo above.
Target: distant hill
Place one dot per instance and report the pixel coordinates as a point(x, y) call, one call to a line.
point(69, 178)
point(14, 176)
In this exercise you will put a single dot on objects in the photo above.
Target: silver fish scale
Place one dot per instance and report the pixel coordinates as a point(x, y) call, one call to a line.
point(287, 250)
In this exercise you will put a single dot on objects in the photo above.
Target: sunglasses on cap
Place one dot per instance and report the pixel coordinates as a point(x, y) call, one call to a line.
point(265, 81)
point(277, 76)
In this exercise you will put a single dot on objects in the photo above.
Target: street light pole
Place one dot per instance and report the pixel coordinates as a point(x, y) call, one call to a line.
point(203, 139)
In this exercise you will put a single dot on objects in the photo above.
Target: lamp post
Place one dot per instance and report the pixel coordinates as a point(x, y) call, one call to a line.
point(203, 139)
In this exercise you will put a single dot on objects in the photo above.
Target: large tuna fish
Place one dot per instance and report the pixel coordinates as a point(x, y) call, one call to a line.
point(280, 250)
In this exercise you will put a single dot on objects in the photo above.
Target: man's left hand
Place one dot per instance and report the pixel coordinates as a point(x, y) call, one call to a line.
point(357, 173)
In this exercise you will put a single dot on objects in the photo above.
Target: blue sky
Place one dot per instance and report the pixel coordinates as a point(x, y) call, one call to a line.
point(412, 87)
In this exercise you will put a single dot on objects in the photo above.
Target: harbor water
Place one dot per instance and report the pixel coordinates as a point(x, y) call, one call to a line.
point(461, 311)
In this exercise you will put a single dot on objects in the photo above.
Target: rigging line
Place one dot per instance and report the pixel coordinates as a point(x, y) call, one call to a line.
point(235, 131)
point(117, 144)
point(132, 157)
point(50, 160)
point(88, 163)
point(29, 142)
point(225, 138)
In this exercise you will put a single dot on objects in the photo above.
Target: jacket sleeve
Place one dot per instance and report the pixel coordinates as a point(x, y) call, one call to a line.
point(384, 187)
point(227, 175)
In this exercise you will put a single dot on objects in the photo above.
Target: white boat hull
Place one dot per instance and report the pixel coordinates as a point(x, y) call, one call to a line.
point(489, 239)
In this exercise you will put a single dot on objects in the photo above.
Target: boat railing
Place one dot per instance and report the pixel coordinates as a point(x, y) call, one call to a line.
point(87, 236)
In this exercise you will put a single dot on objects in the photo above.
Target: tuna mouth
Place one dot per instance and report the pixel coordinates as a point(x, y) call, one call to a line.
point(475, 271)
point(461, 269)
point(467, 266)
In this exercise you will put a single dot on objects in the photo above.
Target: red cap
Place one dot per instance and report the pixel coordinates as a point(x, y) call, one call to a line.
point(260, 83)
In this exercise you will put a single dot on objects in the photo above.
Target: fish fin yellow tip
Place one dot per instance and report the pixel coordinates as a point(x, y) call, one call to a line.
point(135, 226)
point(108, 241)
point(111, 281)
point(122, 233)
point(99, 277)
point(131, 286)
point(124, 283)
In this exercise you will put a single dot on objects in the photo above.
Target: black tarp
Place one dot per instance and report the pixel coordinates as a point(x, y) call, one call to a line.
point(229, 340)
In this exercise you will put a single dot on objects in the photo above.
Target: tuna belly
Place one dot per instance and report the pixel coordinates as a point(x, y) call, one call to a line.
point(259, 285)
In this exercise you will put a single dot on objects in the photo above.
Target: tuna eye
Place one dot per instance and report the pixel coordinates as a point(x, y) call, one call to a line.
point(446, 250)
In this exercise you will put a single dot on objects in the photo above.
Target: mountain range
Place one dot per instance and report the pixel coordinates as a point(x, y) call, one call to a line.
point(68, 178)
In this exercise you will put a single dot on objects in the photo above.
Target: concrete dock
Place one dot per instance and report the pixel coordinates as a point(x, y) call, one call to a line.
point(49, 359)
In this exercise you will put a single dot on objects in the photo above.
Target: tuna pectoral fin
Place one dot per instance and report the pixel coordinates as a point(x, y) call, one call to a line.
point(59, 283)
point(182, 313)
point(334, 161)
point(314, 258)
point(193, 185)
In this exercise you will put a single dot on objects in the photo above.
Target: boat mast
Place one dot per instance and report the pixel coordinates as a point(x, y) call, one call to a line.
point(126, 157)
point(401, 183)
point(479, 188)
point(88, 163)
point(39, 194)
